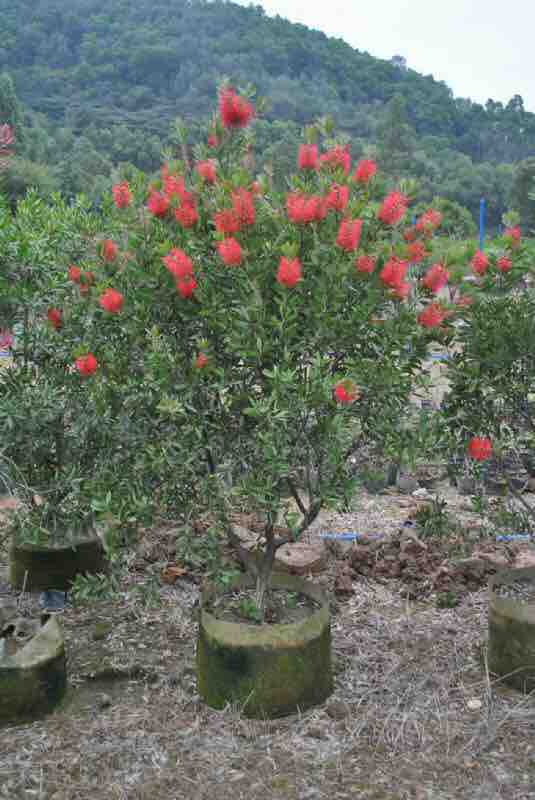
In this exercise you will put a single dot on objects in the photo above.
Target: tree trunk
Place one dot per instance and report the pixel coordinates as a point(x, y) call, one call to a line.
point(265, 569)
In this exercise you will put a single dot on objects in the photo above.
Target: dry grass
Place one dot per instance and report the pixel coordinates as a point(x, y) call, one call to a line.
point(414, 716)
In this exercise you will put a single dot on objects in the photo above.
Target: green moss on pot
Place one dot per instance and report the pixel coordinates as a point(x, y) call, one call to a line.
point(268, 670)
point(54, 567)
point(33, 681)
point(511, 649)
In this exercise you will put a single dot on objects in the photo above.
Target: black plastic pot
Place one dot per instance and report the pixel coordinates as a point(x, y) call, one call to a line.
point(266, 670)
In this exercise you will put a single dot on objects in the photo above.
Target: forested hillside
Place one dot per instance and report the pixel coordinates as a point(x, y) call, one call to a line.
point(100, 83)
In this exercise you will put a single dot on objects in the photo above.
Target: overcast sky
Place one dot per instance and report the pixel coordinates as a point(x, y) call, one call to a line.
point(480, 48)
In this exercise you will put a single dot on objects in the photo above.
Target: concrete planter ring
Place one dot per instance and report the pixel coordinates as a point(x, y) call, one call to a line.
point(34, 679)
point(267, 670)
point(38, 567)
point(511, 646)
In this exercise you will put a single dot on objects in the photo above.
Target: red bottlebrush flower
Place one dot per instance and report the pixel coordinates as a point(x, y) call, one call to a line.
point(365, 264)
point(256, 188)
point(513, 236)
point(86, 365)
point(307, 156)
point(243, 205)
point(479, 263)
point(289, 272)
point(178, 263)
point(504, 264)
point(295, 206)
point(479, 448)
point(200, 361)
point(186, 215)
point(173, 186)
point(337, 197)
point(393, 273)
point(432, 316)
point(74, 274)
point(337, 157)
point(185, 286)
point(206, 169)
point(364, 171)
point(7, 137)
point(349, 234)
point(235, 111)
point(212, 140)
point(393, 208)
point(345, 393)
point(315, 209)
point(157, 204)
point(54, 317)
point(415, 252)
point(401, 290)
point(6, 340)
point(227, 221)
point(111, 301)
point(121, 194)
point(409, 234)
point(435, 278)
point(428, 221)
point(230, 251)
point(108, 250)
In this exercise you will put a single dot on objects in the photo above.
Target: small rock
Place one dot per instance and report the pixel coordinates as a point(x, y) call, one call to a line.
point(474, 704)
point(343, 583)
point(407, 484)
point(316, 732)
point(422, 494)
point(338, 710)
point(101, 630)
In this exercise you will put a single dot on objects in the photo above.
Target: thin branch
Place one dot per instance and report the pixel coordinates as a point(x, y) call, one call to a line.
point(295, 495)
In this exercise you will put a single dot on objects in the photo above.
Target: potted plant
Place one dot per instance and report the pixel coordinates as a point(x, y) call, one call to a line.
point(246, 313)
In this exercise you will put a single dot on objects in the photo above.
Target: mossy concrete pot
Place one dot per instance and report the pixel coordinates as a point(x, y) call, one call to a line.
point(267, 670)
point(511, 647)
point(38, 567)
point(34, 679)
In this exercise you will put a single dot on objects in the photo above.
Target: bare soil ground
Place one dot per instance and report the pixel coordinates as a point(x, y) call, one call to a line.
point(414, 715)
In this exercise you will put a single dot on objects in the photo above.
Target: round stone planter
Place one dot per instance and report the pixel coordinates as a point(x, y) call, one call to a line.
point(34, 679)
point(267, 670)
point(511, 647)
point(38, 567)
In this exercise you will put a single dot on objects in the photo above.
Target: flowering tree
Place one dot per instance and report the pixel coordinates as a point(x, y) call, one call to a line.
point(249, 331)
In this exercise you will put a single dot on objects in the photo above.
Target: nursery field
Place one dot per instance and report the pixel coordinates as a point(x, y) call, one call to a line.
point(414, 714)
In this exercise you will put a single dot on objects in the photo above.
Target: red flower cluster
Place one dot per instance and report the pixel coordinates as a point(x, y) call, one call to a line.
point(121, 194)
point(513, 236)
point(230, 251)
point(435, 278)
point(337, 197)
point(393, 274)
point(185, 286)
point(416, 252)
point(337, 157)
point(432, 316)
point(86, 365)
point(243, 206)
point(227, 221)
point(345, 393)
point(54, 317)
point(235, 111)
point(289, 272)
point(111, 301)
point(429, 221)
point(157, 204)
point(212, 140)
point(409, 234)
point(364, 171)
point(393, 208)
point(303, 208)
point(479, 263)
point(186, 215)
point(365, 264)
point(307, 156)
point(504, 264)
point(479, 448)
point(200, 361)
point(178, 263)
point(349, 234)
point(74, 274)
point(206, 170)
point(108, 250)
